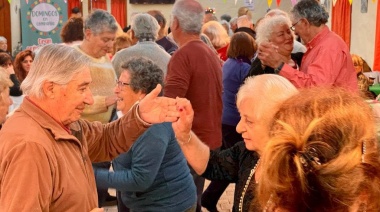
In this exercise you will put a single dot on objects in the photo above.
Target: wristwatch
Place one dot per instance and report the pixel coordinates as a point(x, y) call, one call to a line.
point(278, 69)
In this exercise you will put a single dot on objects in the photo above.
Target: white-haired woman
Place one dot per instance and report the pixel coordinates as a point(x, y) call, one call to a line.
point(218, 37)
point(275, 29)
point(257, 100)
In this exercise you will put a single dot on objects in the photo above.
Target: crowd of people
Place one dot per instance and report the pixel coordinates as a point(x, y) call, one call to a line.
point(276, 107)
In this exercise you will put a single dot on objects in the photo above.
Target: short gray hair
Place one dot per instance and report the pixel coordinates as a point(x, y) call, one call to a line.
point(145, 25)
point(217, 34)
point(144, 74)
point(312, 11)
point(265, 28)
point(268, 91)
point(275, 12)
point(3, 39)
point(54, 63)
point(233, 20)
point(189, 14)
point(100, 21)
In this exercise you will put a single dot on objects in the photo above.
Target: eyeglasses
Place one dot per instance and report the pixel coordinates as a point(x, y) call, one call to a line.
point(293, 26)
point(121, 84)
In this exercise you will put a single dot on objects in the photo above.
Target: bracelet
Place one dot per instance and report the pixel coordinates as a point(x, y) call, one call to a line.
point(188, 140)
point(278, 69)
point(139, 118)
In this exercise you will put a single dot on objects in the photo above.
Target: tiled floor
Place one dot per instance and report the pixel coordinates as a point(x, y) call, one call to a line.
point(224, 205)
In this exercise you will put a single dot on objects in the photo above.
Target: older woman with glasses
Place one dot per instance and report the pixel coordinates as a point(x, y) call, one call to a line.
point(14, 91)
point(153, 175)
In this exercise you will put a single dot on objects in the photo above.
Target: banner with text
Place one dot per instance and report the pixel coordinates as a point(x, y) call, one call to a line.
point(41, 22)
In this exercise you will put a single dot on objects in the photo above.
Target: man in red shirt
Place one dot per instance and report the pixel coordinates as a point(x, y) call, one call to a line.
point(327, 61)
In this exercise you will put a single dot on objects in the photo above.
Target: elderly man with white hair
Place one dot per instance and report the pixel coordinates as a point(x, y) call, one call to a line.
point(145, 29)
point(46, 165)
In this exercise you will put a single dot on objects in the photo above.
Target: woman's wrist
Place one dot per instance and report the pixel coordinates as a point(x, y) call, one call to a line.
point(185, 138)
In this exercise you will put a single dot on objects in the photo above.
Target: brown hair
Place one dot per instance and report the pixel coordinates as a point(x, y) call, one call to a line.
point(72, 30)
point(4, 58)
point(314, 160)
point(241, 45)
point(121, 40)
point(19, 71)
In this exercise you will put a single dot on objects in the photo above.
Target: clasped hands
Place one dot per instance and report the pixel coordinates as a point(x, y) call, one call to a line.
point(157, 109)
point(269, 55)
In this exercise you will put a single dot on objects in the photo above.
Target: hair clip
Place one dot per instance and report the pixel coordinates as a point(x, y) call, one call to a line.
point(308, 157)
point(363, 150)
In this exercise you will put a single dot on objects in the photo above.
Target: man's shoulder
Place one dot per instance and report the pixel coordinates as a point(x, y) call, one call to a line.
point(197, 49)
point(20, 128)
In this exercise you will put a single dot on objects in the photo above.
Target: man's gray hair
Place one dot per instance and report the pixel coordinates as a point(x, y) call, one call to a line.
point(54, 63)
point(100, 21)
point(266, 26)
point(3, 39)
point(189, 14)
point(268, 91)
point(144, 74)
point(312, 11)
point(145, 25)
point(234, 20)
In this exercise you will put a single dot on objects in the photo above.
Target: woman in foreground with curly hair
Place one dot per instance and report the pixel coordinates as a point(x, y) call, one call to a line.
point(322, 155)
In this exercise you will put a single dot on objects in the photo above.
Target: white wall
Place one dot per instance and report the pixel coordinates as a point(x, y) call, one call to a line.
point(221, 7)
point(362, 29)
point(15, 23)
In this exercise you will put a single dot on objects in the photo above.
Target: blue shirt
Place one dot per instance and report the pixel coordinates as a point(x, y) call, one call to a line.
point(234, 73)
point(153, 175)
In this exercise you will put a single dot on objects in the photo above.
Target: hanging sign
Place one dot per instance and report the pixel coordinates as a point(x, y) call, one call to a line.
point(42, 22)
point(249, 4)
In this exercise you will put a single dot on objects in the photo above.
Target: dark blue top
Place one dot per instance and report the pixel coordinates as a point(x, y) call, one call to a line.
point(234, 73)
point(153, 175)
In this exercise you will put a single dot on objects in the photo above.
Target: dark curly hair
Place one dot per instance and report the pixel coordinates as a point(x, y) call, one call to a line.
point(72, 30)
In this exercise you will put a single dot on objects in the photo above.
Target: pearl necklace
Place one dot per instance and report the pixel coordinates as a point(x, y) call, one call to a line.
point(246, 186)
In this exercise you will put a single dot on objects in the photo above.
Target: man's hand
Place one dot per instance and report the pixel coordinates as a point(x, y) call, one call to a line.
point(111, 100)
point(154, 109)
point(269, 56)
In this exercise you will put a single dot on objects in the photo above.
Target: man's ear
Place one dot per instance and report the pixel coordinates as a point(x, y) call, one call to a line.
point(48, 89)
point(87, 34)
point(133, 37)
point(175, 24)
